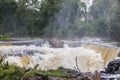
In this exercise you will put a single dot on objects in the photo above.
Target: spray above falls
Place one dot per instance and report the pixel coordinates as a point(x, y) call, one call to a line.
point(67, 19)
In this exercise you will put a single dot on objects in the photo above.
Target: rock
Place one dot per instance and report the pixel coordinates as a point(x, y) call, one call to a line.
point(113, 67)
point(56, 43)
point(54, 78)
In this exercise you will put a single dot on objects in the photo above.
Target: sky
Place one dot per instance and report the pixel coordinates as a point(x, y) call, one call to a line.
point(88, 3)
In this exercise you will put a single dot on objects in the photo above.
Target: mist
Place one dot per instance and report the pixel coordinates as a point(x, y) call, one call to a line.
point(61, 18)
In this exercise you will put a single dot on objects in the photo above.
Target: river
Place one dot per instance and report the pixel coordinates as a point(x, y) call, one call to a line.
point(91, 53)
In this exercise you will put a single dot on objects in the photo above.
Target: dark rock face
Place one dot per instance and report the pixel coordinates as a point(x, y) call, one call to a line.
point(112, 71)
point(113, 67)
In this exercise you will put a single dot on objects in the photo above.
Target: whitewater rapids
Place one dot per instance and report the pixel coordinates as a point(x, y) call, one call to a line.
point(52, 58)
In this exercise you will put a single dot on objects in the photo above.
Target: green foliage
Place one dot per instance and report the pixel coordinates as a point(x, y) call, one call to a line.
point(8, 72)
point(115, 24)
point(11, 72)
point(7, 12)
point(54, 73)
point(60, 25)
point(4, 37)
point(105, 19)
point(60, 67)
point(31, 73)
point(59, 18)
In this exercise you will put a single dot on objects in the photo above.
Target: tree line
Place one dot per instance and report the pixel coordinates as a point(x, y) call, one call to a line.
point(60, 18)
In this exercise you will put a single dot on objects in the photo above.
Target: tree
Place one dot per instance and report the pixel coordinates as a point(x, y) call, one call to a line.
point(7, 12)
point(61, 23)
point(47, 11)
point(26, 17)
point(102, 13)
point(115, 23)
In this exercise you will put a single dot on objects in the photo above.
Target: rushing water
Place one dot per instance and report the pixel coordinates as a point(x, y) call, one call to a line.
point(89, 57)
point(51, 58)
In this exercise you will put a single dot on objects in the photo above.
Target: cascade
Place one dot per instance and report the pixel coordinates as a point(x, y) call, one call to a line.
point(107, 53)
point(52, 58)
point(90, 57)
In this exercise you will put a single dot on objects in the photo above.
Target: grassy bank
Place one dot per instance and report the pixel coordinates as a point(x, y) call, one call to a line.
point(12, 72)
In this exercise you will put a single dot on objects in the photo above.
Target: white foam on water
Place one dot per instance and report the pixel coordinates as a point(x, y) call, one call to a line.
point(52, 58)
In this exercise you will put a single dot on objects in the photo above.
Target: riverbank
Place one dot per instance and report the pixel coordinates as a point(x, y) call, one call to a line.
point(11, 72)
point(40, 51)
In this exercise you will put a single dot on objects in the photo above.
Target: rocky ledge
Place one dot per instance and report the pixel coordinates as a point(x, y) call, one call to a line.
point(112, 72)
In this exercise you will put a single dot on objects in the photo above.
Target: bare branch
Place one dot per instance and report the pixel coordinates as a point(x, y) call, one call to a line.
point(76, 62)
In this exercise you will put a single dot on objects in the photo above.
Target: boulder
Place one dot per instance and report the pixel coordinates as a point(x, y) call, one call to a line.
point(56, 43)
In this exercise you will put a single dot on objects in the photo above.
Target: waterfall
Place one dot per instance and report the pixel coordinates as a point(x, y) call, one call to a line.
point(52, 58)
point(107, 53)
point(92, 53)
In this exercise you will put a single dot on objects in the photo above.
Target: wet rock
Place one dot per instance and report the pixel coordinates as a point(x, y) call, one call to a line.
point(113, 67)
point(84, 78)
point(111, 73)
point(56, 43)
point(36, 78)
point(54, 78)
point(43, 76)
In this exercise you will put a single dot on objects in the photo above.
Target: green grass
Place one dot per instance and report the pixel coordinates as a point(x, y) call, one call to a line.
point(11, 72)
